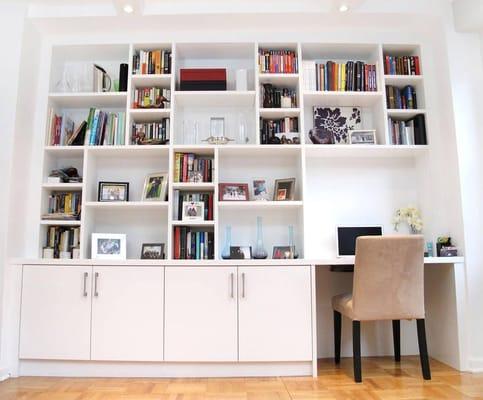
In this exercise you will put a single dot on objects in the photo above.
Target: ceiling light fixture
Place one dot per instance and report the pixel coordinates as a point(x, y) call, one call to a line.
point(344, 8)
point(128, 9)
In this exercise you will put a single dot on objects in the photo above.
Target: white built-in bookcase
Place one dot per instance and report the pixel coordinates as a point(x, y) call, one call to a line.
point(311, 165)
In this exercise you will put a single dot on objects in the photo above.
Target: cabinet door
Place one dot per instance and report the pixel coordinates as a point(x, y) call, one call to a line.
point(201, 314)
point(127, 313)
point(56, 312)
point(275, 311)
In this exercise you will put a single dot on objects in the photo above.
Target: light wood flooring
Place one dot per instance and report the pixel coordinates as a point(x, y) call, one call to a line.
point(383, 379)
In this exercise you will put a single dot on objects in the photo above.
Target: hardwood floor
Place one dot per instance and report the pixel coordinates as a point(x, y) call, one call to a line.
point(382, 379)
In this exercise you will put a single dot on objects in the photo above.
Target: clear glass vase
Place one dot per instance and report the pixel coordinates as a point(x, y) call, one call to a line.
point(259, 252)
point(225, 253)
point(291, 242)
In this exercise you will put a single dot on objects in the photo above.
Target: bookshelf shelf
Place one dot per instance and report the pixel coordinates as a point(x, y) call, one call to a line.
point(62, 186)
point(321, 172)
point(144, 80)
point(86, 100)
point(215, 98)
point(279, 112)
point(342, 99)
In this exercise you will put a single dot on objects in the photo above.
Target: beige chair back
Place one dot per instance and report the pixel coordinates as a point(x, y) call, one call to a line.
point(389, 278)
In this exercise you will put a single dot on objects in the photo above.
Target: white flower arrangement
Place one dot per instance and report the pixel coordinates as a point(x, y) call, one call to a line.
point(411, 216)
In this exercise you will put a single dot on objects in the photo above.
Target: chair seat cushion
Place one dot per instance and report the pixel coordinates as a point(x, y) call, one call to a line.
point(343, 304)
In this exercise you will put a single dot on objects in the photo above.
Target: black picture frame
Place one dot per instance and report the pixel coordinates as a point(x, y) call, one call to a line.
point(241, 252)
point(145, 256)
point(101, 186)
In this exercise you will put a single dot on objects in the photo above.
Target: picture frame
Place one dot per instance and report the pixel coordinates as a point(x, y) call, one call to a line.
point(283, 252)
point(240, 252)
point(108, 246)
point(362, 136)
point(152, 251)
point(155, 187)
point(113, 191)
point(193, 211)
point(233, 192)
point(259, 189)
point(284, 189)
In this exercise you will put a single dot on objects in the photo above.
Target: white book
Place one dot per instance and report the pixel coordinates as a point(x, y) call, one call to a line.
point(308, 75)
point(175, 205)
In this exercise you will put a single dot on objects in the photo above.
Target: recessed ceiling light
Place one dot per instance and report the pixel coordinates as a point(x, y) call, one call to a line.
point(344, 8)
point(128, 8)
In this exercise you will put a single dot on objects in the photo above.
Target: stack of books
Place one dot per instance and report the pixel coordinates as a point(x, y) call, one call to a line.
point(62, 239)
point(190, 244)
point(180, 197)
point(151, 132)
point(403, 65)
point(342, 77)
point(64, 206)
point(277, 61)
point(151, 98)
point(105, 128)
point(202, 79)
point(401, 99)
point(411, 132)
point(152, 62)
point(190, 167)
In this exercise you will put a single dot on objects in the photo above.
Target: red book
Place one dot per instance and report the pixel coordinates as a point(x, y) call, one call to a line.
point(366, 78)
point(210, 207)
point(387, 67)
point(185, 168)
point(203, 74)
point(416, 62)
point(177, 235)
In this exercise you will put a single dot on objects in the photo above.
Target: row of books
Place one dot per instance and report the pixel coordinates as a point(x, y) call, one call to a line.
point(180, 197)
point(151, 132)
point(401, 99)
point(62, 239)
point(271, 127)
point(402, 65)
point(193, 245)
point(105, 128)
point(152, 62)
point(64, 206)
point(277, 61)
point(411, 132)
point(190, 167)
point(153, 97)
point(271, 97)
point(61, 129)
point(332, 76)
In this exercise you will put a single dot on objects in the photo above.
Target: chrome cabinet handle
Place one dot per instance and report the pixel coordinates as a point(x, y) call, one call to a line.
point(232, 284)
point(85, 284)
point(243, 285)
point(96, 276)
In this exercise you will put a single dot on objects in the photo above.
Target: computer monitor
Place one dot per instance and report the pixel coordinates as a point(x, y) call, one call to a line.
point(347, 235)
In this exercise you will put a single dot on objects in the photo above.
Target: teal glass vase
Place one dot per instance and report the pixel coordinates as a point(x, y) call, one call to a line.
point(225, 253)
point(259, 253)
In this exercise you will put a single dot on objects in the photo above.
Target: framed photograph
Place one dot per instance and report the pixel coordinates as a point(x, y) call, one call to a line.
point(108, 246)
point(193, 211)
point(259, 188)
point(152, 251)
point(283, 252)
point(113, 191)
point(233, 192)
point(155, 187)
point(359, 136)
point(284, 189)
point(241, 252)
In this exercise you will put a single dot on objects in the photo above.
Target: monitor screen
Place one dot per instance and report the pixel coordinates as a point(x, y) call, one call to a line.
point(347, 235)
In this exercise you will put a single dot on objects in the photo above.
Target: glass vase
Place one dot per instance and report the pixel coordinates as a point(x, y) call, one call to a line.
point(225, 253)
point(291, 242)
point(259, 252)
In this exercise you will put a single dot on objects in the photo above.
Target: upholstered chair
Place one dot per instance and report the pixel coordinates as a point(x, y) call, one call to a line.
point(388, 285)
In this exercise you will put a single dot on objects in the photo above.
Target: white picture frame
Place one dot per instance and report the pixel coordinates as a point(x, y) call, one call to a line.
point(108, 246)
point(363, 136)
point(193, 211)
point(151, 193)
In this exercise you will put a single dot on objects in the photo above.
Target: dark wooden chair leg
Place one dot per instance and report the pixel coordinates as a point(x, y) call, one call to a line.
point(356, 348)
point(423, 349)
point(337, 335)
point(396, 335)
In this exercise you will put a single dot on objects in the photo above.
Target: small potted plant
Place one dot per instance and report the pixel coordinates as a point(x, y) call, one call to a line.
point(409, 215)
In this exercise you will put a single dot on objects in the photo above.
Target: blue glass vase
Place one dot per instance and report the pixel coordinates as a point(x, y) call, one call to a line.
point(259, 253)
point(225, 253)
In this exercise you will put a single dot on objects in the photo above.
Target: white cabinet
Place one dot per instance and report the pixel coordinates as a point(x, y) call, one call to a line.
point(201, 314)
point(56, 312)
point(275, 317)
point(127, 313)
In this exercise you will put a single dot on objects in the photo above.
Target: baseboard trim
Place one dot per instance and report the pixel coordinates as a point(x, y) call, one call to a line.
point(161, 370)
point(4, 374)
